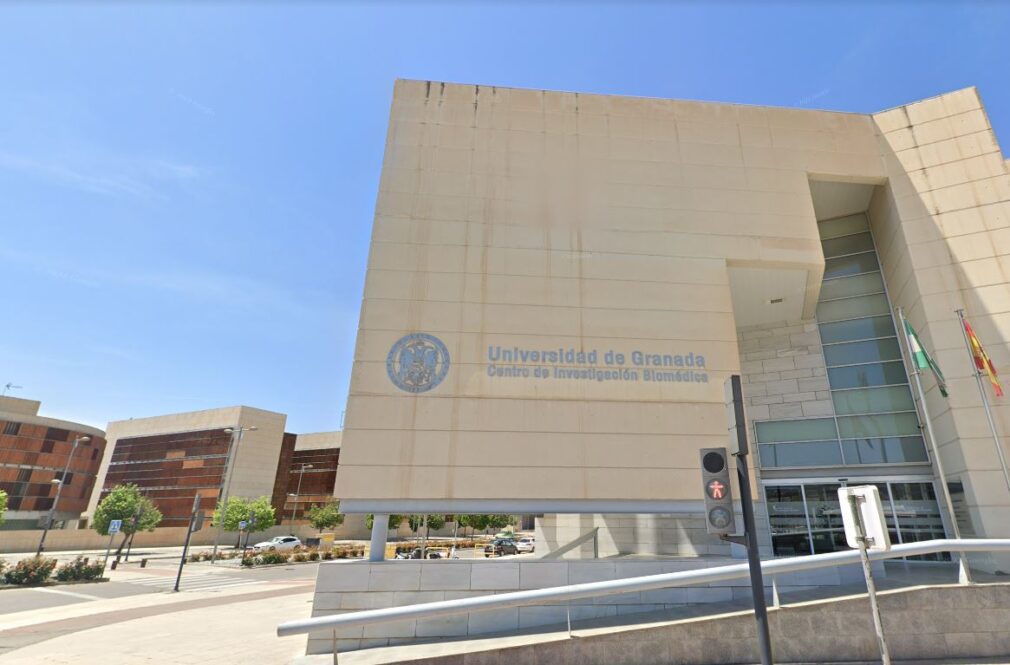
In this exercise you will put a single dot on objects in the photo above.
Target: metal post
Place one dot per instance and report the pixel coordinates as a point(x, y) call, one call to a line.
point(985, 402)
point(871, 588)
point(380, 530)
point(108, 549)
point(964, 572)
point(185, 547)
point(59, 490)
point(750, 529)
point(298, 493)
point(222, 496)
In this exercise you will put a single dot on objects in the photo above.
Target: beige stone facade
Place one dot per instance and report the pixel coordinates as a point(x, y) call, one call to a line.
point(520, 228)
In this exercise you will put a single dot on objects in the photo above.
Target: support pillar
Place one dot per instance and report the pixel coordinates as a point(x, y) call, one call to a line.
point(380, 529)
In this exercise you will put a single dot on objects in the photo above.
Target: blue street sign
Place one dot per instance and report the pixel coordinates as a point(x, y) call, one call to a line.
point(242, 525)
point(115, 526)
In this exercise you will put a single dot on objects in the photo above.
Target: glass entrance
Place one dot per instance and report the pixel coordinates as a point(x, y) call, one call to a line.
point(806, 517)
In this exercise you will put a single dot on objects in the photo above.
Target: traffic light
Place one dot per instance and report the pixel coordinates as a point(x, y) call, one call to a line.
point(719, 518)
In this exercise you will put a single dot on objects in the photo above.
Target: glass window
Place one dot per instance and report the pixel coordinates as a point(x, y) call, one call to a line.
point(843, 226)
point(863, 376)
point(873, 350)
point(882, 424)
point(873, 400)
point(851, 265)
point(812, 429)
point(845, 331)
point(820, 453)
point(856, 285)
point(888, 450)
point(852, 308)
point(860, 242)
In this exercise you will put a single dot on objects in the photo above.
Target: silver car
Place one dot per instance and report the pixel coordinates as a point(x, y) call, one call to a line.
point(278, 544)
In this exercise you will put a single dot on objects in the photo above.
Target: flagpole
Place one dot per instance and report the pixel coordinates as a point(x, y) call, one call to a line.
point(985, 401)
point(964, 572)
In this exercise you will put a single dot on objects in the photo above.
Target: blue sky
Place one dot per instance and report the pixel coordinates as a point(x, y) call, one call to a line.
point(187, 192)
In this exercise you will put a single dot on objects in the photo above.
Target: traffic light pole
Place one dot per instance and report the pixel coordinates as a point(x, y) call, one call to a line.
point(750, 530)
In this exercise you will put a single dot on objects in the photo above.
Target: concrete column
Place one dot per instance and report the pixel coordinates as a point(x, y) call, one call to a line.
point(380, 527)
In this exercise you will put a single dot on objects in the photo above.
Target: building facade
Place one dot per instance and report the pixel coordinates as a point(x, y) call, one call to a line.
point(34, 452)
point(308, 475)
point(173, 458)
point(559, 285)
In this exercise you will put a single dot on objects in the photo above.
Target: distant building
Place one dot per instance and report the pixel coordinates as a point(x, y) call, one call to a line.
point(34, 451)
point(175, 457)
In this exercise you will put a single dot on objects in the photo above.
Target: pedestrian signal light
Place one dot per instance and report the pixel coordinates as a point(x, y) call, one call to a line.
point(719, 518)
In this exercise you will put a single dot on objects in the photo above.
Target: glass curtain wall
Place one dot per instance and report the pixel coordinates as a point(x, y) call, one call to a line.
point(875, 420)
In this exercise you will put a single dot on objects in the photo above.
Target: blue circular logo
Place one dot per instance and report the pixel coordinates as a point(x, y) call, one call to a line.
point(417, 362)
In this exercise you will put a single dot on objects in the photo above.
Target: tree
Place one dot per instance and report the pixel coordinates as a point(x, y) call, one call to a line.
point(3, 505)
point(326, 516)
point(257, 513)
point(474, 522)
point(500, 521)
point(126, 503)
point(394, 521)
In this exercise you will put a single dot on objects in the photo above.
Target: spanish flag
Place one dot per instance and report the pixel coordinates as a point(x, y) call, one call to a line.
point(982, 361)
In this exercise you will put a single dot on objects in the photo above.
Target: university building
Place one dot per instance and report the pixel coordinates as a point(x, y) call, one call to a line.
point(34, 453)
point(173, 458)
point(560, 283)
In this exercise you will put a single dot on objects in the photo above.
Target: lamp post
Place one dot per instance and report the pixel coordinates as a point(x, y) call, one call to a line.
point(298, 493)
point(222, 495)
point(59, 482)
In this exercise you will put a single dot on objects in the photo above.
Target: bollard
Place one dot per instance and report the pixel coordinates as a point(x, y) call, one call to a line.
point(114, 564)
point(143, 563)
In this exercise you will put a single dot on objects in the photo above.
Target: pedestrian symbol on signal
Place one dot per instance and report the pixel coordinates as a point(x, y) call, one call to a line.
point(716, 489)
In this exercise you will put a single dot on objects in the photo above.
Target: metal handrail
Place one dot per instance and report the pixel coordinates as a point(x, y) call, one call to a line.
point(631, 584)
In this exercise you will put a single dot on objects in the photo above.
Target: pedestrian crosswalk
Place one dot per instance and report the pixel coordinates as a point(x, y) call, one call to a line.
point(192, 581)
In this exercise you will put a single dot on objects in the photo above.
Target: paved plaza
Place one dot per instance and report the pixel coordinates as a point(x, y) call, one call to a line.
point(222, 614)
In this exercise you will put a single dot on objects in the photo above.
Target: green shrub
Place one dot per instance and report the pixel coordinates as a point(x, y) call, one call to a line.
point(327, 555)
point(3, 564)
point(79, 569)
point(313, 555)
point(300, 556)
point(35, 570)
point(249, 561)
point(268, 558)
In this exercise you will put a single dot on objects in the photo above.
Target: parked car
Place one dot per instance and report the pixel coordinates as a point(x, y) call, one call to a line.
point(278, 544)
point(525, 544)
point(499, 547)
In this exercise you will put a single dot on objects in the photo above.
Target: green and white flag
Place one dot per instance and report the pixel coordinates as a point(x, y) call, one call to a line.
point(922, 359)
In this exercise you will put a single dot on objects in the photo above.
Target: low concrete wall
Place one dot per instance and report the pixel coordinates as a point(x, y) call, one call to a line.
point(925, 624)
point(57, 540)
point(672, 534)
point(346, 587)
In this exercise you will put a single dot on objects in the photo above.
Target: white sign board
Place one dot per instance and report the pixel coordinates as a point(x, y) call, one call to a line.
point(115, 526)
point(868, 510)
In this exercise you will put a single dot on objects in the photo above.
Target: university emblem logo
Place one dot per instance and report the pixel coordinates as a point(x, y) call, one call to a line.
point(417, 362)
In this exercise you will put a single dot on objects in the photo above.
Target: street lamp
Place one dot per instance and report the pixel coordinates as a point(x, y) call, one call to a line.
point(222, 494)
point(59, 482)
point(298, 493)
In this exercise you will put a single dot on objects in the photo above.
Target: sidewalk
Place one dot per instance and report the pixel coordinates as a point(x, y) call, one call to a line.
point(225, 625)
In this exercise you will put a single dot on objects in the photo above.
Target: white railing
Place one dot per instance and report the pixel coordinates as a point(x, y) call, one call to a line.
point(631, 584)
